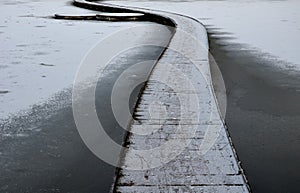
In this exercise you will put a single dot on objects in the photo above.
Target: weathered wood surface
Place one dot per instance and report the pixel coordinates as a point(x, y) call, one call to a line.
point(207, 163)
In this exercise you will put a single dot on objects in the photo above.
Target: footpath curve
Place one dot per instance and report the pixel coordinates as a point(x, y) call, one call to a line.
point(208, 163)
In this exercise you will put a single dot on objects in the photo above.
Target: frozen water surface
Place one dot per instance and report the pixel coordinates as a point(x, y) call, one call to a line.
point(268, 26)
point(40, 55)
point(37, 51)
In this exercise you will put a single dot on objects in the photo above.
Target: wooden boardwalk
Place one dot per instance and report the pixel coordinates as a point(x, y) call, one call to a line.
point(179, 142)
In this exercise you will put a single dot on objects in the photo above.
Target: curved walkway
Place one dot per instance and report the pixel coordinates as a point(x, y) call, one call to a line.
point(198, 168)
point(207, 162)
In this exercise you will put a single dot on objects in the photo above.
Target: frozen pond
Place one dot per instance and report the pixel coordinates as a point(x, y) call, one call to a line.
point(271, 27)
point(40, 148)
point(40, 55)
